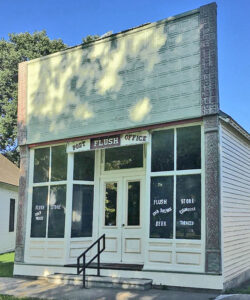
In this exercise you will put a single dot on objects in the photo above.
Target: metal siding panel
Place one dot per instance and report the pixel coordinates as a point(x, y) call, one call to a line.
point(144, 77)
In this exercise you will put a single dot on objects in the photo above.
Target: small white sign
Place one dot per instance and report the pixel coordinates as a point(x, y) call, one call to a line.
point(79, 146)
point(134, 138)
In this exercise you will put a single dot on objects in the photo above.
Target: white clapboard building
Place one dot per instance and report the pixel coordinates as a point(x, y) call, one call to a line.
point(9, 181)
point(124, 136)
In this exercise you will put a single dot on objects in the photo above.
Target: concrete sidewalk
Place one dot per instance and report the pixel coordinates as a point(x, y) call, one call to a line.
point(42, 289)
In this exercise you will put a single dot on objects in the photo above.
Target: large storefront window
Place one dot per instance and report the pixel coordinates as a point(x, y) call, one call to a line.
point(49, 192)
point(176, 183)
point(83, 194)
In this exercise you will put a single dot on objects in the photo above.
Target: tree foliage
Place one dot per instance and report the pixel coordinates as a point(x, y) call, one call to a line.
point(90, 38)
point(20, 47)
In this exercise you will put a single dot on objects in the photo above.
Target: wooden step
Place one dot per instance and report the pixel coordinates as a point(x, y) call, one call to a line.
point(112, 266)
point(102, 281)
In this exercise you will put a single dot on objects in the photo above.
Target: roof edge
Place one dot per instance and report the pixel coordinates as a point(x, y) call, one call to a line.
point(230, 121)
point(118, 34)
point(8, 186)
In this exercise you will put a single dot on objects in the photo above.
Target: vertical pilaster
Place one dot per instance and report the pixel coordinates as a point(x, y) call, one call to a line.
point(24, 163)
point(22, 103)
point(210, 110)
point(22, 204)
point(209, 59)
point(212, 195)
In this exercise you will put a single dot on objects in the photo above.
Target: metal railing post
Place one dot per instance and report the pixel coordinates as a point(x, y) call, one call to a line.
point(98, 259)
point(83, 256)
point(83, 272)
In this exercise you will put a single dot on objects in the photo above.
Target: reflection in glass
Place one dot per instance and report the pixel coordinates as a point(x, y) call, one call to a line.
point(189, 148)
point(39, 211)
point(161, 207)
point(162, 150)
point(133, 203)
point(84, 164)
point(57, 207)
point(59, 163)
point(110, 204)
point(124, 158)
point(41, 165)
point(188, 207)
point(82, 210)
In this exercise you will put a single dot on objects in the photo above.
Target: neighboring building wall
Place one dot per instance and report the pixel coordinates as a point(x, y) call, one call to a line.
point(235, 193)
point(7, 242)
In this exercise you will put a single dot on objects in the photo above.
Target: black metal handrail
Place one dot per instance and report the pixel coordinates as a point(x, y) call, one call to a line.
point(83, 256)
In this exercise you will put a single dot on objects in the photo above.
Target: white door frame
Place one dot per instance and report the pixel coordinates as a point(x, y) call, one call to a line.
point(125, 244)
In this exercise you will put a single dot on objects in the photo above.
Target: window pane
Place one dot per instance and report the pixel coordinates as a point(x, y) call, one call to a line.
point(41, 165)
point(12, 215)
point(82, 210)
point(110, 204)
point(189, 148)
point(162, 150)
point(161, 207)
point(59, 163)
point(188, 207)
point(57, 207)
point(133, 203)
point(39, 211)
point(124, 158)
point(84, 165)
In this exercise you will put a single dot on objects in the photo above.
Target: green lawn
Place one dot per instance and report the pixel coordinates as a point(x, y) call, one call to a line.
point(6, 265)
point(243, 290)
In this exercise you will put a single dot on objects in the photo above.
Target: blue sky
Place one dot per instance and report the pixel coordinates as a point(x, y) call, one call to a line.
point(75, 19)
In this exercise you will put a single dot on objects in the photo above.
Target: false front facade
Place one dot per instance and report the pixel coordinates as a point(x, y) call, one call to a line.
point(121, 137)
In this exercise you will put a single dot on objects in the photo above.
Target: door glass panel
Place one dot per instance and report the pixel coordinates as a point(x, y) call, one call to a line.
point(82, 210)
point(110, 204)
point(133, 203)
point(124, 158)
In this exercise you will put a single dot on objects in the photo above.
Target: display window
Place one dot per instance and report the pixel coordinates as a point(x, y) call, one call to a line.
point(175, 199)
point(83, 194)
point(49, 192)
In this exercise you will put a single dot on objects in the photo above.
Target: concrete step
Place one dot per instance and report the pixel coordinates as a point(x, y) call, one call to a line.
point(102, 281)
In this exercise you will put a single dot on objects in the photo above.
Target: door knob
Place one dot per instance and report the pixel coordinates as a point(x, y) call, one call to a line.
point(123, 225)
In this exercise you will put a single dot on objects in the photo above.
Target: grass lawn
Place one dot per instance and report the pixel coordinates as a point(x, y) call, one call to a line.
point(6, 266)
point(245, 289)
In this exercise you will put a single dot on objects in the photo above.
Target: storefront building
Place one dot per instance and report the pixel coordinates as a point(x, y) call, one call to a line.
point(124, 136)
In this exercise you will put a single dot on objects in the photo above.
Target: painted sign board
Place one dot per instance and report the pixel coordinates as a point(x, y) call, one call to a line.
point(127, 139)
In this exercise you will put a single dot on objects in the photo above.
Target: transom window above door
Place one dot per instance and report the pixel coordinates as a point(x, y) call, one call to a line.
point(123, 158)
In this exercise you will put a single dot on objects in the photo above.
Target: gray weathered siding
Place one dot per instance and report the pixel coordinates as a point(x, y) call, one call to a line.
point(235, 191)
point(144, 76)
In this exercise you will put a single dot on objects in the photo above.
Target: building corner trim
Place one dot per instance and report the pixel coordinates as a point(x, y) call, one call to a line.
point(22, 103)
point(209, 59)
point(212, 196)
point(22, 204)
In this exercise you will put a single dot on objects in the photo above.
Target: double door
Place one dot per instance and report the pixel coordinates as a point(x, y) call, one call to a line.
point(121, 218)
